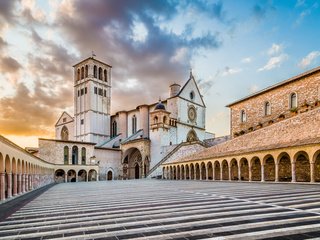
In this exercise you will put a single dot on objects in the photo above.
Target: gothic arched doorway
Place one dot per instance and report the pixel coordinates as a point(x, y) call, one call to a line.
point(132, 164)
point(109, 175)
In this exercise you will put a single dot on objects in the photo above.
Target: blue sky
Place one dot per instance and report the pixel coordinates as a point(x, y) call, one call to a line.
point(234, 48)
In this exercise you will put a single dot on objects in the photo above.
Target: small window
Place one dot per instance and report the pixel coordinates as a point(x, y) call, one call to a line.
point(95, 71)
point(95, 90)
point(64, 120)
point(192, 95)
point(85, 90)
point(82, 91)
point(82, 121)
point(86, 71)
point(293, 100)
point(134, 124)
point(78, 76)
point(243, 116)
point(105, 75)
point(267, 109)
point(82, 73)
point(105, 93)
point(100, 92)
point(78, 93)
point(100, 73)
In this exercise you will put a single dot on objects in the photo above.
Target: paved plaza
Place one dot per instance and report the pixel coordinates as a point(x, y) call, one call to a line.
point(160, 209)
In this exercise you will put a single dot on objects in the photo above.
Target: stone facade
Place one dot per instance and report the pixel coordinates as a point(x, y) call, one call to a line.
point(307, 88)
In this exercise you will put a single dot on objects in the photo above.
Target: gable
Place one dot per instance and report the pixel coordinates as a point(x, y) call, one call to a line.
point(64, 118)
point(190, 92)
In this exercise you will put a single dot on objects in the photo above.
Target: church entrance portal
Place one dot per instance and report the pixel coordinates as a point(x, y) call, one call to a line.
point(132, 164)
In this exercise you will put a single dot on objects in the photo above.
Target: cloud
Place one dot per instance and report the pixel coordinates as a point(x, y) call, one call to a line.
point(274, 62)
point(253, 89)
point(9, 64)
point(230, 71)
point(159, 58)
point(309, 59)
point(300, 3)
point(275, 49)
point(246, 60)
point(124, 34)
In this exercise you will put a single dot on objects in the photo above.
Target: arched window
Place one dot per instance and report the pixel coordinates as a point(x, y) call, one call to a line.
point(83, 156)
point(78, 77)
point(192, 136)
point(105, 78)
point(114, 128)
point(86, 71)
point(243, 116)
point(66, 155)
point(100, 73)
point(165, 119)
point(155, 120)
point(293, 100)
point(74, 155)
point(95, 71)
point(82, 73)
point(134, 124)
point(64, 133)
point(267, 109)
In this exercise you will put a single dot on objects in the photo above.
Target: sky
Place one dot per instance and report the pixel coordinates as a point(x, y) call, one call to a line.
point(234, 48)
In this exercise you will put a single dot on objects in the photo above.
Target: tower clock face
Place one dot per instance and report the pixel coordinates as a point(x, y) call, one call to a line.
point(192, 114)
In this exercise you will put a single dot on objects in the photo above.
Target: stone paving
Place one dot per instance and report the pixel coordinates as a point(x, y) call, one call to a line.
point(160, 209)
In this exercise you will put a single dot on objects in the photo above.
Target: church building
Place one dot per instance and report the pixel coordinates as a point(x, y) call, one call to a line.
point(129, 144)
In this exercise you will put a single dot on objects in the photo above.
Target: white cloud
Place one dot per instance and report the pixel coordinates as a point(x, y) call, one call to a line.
point(139, 32)
point(231, 71)
point(307, 60)
point(275, 49)
point(253, 88)
point(246, 60)
point(181, 55)
point(274, 62)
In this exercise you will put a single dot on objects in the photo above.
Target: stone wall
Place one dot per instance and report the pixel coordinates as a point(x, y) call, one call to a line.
point(307, 89)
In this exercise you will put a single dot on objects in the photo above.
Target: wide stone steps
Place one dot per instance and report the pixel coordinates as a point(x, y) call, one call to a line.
point(151, 209)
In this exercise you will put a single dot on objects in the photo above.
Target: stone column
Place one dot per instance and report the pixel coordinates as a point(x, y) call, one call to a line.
point(207, 173)
point(142, 174)
point(239, 173)
point(15, 185)
point(293, 171)
point(19, 184)
point(66, 177)
point(195, 174)
point(23, 185)
point(9, 188)
point(277, 172)
point(262, 172)
point(98, 176)
point(229, 169)
point(221, 174)
point(2, 187)
point(189, 173)
point(200, 177)
point(312, 172)
point(250, 173)
point(213, 174)
point(87, 176)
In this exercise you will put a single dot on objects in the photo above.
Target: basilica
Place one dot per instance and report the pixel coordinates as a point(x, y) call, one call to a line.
point(129, 144)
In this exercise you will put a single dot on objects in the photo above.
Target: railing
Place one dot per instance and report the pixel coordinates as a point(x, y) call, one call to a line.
point(165, 158)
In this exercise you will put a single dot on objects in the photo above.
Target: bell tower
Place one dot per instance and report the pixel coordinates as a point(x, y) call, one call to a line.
point(92, 100)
